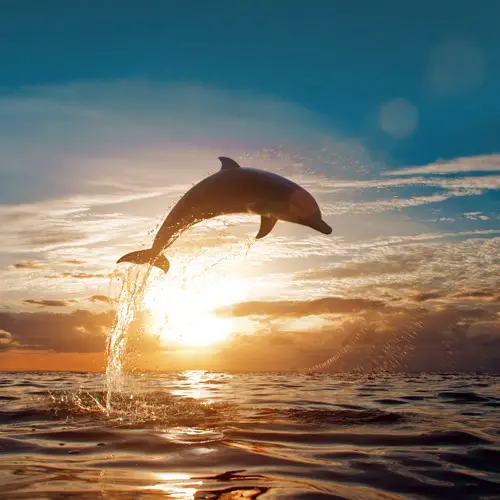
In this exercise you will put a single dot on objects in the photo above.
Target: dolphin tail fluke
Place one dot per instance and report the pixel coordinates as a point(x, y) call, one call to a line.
point(149, 256)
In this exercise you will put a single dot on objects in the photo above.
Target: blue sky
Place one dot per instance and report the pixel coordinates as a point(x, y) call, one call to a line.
point(388, 112)
point(341, 60)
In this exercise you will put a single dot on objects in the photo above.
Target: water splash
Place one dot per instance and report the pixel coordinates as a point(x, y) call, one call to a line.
point(129, 301)
point(181, 417)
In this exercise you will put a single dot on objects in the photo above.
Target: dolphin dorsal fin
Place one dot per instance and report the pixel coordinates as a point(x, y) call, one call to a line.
point(228, 163)
point(266, 226)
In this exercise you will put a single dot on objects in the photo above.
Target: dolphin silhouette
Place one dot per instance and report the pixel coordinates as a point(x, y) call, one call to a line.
point(232, 190)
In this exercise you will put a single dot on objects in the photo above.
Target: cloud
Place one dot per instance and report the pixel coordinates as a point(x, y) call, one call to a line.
point(80, 331)
point(390, 204)
point(453, 188)
point(476, 216)
point(415, 261)
point(476, 294)
point(486, 331)
point(473, 294)
point(448, 189)
point(409, 186)
point(393, 263)
point(5, 338)
point(31, 265)
point(50, 303)
point(296, 309)
point(45, 226)
point(424, 296)
point(390, 339)
point(360, 335)
point(100, 299)
point(485, 163)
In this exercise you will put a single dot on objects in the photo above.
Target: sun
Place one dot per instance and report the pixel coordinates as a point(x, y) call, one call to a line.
point(184, 307)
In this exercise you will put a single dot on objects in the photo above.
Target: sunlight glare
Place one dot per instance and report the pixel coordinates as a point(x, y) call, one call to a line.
point(184, 307)
point(176, 485)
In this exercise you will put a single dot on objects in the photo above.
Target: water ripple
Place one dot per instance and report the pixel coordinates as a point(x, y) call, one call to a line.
point(200, 435)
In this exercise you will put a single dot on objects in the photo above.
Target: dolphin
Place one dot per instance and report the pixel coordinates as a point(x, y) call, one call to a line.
point(233, 190)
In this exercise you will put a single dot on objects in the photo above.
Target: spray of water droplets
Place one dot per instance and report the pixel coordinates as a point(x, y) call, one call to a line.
point(129, 301)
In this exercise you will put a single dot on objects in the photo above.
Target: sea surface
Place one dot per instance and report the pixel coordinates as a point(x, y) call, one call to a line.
point(203, 435)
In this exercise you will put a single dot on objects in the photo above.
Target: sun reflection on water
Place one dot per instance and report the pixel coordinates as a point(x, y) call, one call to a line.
point(176, 485)
point(196, 384)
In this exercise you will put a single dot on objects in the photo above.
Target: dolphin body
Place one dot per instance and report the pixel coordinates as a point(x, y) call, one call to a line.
point(232, 190)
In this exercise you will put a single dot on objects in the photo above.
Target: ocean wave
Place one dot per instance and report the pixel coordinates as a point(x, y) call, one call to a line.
point(223, 436)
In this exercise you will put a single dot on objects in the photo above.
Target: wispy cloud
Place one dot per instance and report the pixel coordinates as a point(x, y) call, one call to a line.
point(395, 203)
point(49, 303)
point(42, 227)
point(30, 265)
point(486, 294)
point(486, 163)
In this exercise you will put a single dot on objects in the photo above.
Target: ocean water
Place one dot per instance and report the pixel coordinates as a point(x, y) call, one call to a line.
point(202, 435)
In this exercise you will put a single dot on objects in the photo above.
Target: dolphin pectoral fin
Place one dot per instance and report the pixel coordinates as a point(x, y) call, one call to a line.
point(228, 163)
point(266, 226)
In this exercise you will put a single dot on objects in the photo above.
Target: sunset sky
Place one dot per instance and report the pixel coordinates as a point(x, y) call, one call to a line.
point(389, 115)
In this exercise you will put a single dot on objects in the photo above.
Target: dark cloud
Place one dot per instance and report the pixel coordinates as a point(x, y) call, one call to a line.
point(485, 293)
point(442, 339)
point(477, 294)
point(100, 298)
point(49, 303)
point(29, 264)
point(80, 331)
point(365, 336)
point(298, 308)
point(73, 262)
point(423, 296)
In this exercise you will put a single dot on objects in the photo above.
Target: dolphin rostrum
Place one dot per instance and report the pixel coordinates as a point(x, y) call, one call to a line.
point(232, 190)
